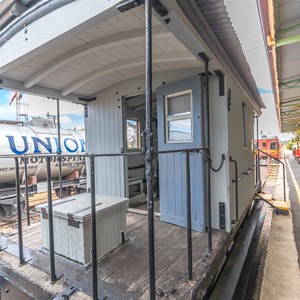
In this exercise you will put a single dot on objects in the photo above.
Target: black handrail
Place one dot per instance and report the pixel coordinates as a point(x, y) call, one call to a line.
point(283, 171)
point(246, 173)
point(236, 188)
point(48, 158)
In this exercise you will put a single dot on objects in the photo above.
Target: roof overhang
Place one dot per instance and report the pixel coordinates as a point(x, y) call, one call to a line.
point(82, 54)
point(281, 24)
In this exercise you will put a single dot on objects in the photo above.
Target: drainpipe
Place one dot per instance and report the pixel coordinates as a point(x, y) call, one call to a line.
point(205, 59)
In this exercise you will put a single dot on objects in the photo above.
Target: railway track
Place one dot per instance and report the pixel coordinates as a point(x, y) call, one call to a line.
point(234, 280)
point(6, 227)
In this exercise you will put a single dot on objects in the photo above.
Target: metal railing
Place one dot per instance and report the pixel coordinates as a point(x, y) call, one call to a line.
point(283, 171)
point(92, 171)
point(236, 181)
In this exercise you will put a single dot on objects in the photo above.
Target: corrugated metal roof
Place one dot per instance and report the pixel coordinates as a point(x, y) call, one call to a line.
point(217, 17)
point(287, 68)
point(288, 60)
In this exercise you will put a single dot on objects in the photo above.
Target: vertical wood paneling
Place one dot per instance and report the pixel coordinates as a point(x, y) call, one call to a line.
point(173, 187)
point(104, 124)
point(173, 165)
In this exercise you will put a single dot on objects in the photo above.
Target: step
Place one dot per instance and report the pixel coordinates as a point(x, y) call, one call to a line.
point(268, 197)
point(282, 205)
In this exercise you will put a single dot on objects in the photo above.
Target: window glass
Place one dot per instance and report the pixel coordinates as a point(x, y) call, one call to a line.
point(179, 128)
point(179, 105)
point(133, 134)
point(264, 144)
point(273, 146)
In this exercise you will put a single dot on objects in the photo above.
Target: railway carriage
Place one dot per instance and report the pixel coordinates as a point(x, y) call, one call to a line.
point(270, 144)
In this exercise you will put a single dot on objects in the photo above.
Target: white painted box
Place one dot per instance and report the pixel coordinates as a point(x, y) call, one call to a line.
point(73, 230)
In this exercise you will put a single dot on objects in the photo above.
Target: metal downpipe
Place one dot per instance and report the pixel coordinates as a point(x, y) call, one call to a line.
point(208, 158)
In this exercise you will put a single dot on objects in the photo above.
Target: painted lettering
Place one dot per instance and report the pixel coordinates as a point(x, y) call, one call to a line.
point(74, 142)
point(82, 143)
point(12, 144)
point(47, 145)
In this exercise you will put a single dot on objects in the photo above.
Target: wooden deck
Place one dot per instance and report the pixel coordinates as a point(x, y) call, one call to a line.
point(124, 271)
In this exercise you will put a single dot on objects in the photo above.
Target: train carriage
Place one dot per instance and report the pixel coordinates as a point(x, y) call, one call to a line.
point(270, 144)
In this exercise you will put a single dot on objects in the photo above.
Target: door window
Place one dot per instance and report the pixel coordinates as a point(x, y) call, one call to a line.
point(178, 108)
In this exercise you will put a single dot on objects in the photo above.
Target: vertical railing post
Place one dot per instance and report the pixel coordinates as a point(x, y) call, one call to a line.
point(59, 150)
point(205, 59)
point(19, 212)
point(189, 217)
point(284, 183)
point(50, 222)
point(149, 147)
point(26, 191)
point(258, 160)
point(94, 230)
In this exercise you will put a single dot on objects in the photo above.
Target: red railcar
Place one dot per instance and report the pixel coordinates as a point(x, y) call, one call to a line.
point(270, 144)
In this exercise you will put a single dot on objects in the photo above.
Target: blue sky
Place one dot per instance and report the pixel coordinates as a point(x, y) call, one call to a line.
point(71, 114)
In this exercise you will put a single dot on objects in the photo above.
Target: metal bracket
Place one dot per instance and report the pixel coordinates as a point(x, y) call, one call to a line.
point(44, 213)
point(65, 295)
point(85, 111)
point(72, 222)
point(130, 4)
point(222, 215)
point(221, 76)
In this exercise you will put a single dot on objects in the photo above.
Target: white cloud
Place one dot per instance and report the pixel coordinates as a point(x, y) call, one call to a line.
point(65, 120)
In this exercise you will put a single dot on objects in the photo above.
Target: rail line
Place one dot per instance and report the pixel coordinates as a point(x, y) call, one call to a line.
point(233, 280)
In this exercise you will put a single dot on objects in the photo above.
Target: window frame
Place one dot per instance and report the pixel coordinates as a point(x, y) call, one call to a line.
point(188, 116)
point(244, 124)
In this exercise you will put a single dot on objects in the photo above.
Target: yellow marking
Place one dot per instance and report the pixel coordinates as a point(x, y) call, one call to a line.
point(294, 181)
point(281, 205)
point(268, 197)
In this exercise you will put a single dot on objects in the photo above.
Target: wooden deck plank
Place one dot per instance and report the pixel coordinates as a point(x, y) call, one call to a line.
point(117, 262)
point(166, 255)
point(126, 267)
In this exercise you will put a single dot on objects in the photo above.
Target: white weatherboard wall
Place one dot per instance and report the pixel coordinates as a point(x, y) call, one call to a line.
point(219, 145)
point(104, 134)
point(243, 155)
point(227, 138)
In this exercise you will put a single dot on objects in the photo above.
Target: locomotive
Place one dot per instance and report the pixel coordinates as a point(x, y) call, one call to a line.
point(38, 137)
point(270, 144)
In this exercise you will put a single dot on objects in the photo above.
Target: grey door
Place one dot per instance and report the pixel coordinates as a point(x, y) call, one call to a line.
point(179, 107)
